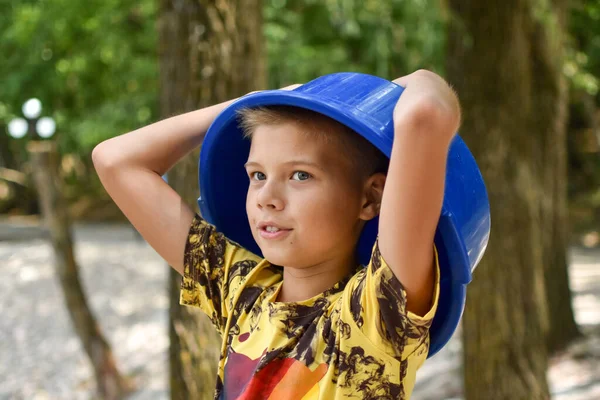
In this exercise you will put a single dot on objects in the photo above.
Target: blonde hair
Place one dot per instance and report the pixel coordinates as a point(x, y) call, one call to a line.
point(360, 152)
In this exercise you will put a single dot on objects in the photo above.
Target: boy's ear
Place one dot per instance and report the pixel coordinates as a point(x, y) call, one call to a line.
point(372, 195)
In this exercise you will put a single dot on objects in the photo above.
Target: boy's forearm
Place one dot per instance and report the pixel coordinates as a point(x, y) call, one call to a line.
point(426, 118)
point(159, 146)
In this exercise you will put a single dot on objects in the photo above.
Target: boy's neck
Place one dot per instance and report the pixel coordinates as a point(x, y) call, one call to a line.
point(302, 284)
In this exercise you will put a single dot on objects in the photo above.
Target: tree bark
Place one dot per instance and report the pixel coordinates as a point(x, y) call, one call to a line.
point(551, 98)
point(109, 382)
point(495, 63)
point(209, 52)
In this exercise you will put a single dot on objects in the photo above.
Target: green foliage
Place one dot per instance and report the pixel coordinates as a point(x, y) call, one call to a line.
point(94, 65)
point(310, 38)
point(583, 63)
point(91, 63)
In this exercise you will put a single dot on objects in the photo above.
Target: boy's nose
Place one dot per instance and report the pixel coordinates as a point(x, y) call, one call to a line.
point(268, 197)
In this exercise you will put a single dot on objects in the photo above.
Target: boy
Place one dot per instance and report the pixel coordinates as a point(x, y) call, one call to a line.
point(305, 322)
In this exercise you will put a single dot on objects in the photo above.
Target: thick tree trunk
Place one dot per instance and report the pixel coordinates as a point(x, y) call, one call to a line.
point(110, 384)
point(551, 99)
point(494, 64)
point(210, 52)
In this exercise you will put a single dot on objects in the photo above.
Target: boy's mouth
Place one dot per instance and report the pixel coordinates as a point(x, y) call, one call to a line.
point(274, 234)
point(271, 230)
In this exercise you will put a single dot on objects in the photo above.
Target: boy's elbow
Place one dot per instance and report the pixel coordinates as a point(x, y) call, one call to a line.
point(98, 155)
point(104, 156)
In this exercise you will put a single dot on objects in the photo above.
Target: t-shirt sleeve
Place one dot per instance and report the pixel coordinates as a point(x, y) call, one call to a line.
point(214, 269)
point(378, 307)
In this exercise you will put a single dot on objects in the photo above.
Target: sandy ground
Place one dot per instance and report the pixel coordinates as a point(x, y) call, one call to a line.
point(41, 358)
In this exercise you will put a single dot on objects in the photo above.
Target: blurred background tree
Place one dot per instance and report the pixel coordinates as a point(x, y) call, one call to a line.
point(506, 62)
point(210, 52)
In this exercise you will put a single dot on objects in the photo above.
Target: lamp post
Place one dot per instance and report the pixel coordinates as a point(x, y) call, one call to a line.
point(45, 161)
point(32, 125)
point(37, 129)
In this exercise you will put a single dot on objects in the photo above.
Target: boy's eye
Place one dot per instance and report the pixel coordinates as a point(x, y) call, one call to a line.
point(301, 175)
point(259, 176)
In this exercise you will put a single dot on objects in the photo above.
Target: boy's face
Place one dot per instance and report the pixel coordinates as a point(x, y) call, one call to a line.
point(306, 188)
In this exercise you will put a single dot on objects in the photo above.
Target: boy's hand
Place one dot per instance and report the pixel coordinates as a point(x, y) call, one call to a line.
point(426, 118)
point(427, 95)
point(290, 87)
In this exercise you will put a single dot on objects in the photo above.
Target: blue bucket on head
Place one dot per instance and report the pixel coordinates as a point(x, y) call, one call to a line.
point(364, 103)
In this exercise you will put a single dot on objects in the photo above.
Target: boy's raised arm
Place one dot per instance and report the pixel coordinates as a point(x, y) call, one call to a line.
point(426, 118)
point(131, 166)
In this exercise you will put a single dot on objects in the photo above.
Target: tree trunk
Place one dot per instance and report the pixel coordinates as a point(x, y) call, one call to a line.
point(210, 52)
point(495, 63)
point(109, 382)
point(7, 159)
point(551, 99)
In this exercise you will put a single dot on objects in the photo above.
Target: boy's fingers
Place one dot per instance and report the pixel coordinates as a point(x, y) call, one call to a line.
point(400, 81)
point(420, 73)
point(403, 80)
point(291, 87)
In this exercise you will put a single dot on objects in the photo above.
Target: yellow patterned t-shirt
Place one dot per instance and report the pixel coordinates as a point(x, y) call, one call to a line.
point(355, 340)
